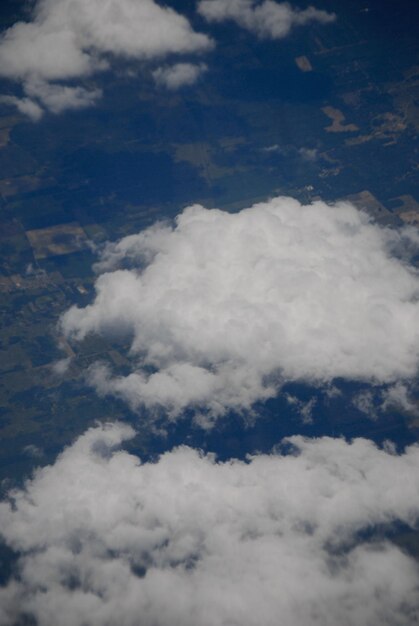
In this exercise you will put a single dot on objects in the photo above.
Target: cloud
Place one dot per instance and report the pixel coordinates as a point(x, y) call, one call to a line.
point(188, 540)
point(178, 75)
point(364, 402)
point(308, 154)
point(305, 409)
point(61, 366)
point(58, 98)
point(222, 308)
point(72, 39)
point(33, 451)
point(24, 105)
point(399, 396)
point(268, 19)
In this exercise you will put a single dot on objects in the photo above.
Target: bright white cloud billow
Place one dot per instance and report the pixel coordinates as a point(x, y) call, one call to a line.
point(71, 39)
point(267, 19)
point(188, 541)
point(226, 307)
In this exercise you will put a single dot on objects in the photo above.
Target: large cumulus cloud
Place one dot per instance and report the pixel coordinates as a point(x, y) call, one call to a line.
point(71, 39)
point(223, 308)
point(191, 541)
point(267, 19)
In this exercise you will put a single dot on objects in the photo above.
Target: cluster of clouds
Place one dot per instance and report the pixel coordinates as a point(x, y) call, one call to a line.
point(187, 540)
point(221, 309)
point(72, 39)
point(373, 401)
point(268, 19)
point(68, 41)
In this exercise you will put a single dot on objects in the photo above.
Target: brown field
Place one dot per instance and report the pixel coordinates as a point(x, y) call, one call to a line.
point(338, 118)
point(57, 240)
point(303, 63)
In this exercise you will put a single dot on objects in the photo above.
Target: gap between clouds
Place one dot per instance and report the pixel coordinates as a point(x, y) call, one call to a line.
point(223, 308)
point(188, 540)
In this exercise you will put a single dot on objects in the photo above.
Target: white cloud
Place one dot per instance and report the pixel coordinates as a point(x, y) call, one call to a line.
point(61, 366)
point(273, 148)
point(179, 75)
point(58, 98)
point(398, 396)
point(33, 451)
point(70, 39)
point(364, 402)
point(308, 154)
point(305, 409)
point(24, 105)
point(268, 19)
point(226, 307)
point(190, 541)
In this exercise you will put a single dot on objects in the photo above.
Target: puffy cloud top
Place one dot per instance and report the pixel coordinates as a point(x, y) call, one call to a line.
point(67, 39)
point(225, 307)
point(268, 19)
point(190, 541)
